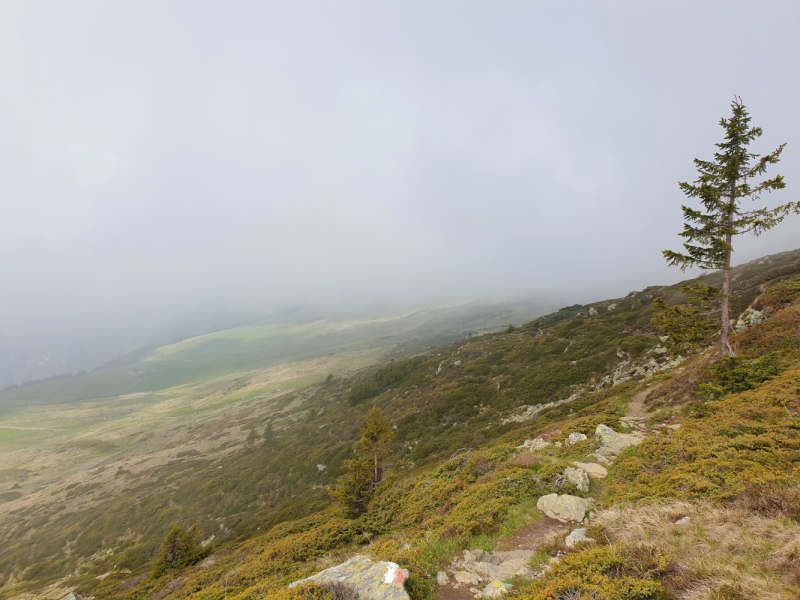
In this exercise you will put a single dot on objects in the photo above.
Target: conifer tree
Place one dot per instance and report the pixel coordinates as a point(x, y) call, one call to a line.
point(364, 472)
point(721, 186)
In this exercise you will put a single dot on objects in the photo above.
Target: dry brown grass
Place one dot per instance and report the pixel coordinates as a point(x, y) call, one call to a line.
point(723, 552)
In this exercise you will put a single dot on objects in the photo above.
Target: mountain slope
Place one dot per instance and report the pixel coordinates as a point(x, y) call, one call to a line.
point(459, 413)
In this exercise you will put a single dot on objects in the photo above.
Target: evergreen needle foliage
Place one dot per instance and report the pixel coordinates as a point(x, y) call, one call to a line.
point(689, 326)
point(365, 471)
point(721, 186)
point(180, 549)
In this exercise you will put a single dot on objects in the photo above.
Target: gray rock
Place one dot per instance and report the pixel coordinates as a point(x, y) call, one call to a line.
point(494, 590)
point(72, 596)
point(578, 477)
point(442, 579)
point(576, 437)
point(683, 521)
point(536, 444)
point(457, 363)
point(749, 318)
point(660, 350)
point(612, 443)
point(466, 578)
point(593, 469)
point(576, 537)
point(370, 580)
point(593, 312)
point(565, 508)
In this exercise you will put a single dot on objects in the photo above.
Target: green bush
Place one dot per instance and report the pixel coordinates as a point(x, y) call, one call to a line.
point(180, 549)
point(381, 381)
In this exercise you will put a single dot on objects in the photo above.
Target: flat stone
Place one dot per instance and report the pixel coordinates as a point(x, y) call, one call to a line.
point(612, 443)
point(576, 537)
point(466, 578)
point(564, 507)
point(593, 469)
point(370, 580)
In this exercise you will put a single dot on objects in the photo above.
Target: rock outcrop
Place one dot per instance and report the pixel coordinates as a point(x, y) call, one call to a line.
point(593, 469)
point(749, 318)
point(563, 507)
point(370, 580)
point(612, 443)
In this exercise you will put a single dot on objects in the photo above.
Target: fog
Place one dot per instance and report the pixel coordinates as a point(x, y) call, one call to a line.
point(165, 158)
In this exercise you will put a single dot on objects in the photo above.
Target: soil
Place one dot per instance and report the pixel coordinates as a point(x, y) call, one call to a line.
point(532, 536)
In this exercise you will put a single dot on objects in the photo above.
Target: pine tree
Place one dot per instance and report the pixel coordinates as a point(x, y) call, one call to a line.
point(364, 472)
point(721, 186)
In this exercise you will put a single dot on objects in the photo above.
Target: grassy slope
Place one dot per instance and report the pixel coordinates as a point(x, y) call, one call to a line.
point(275, 487)
point(266, 344)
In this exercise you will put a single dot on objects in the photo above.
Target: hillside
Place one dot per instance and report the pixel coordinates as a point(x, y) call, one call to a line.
point(456, 480)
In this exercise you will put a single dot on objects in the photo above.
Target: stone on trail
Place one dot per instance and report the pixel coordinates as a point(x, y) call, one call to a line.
point(565, 508)
point(369, 580)
point(467, 578)
point(578, 477)
point(593, 469)
point(494, 590)
point(612, 443)
point(576, 537)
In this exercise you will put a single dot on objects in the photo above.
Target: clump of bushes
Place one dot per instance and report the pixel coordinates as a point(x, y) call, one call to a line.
point(180, 549)
point(380, 381)
point(605, 573)
point(735, 374)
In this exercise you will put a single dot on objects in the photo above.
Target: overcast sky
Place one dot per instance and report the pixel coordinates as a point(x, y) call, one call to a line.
point(169, 153)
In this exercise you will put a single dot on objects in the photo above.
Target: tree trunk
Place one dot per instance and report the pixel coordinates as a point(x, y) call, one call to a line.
point(375, 481)
point(726, 290)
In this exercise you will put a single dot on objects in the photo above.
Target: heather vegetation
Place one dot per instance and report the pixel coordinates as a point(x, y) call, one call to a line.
point(429, 466)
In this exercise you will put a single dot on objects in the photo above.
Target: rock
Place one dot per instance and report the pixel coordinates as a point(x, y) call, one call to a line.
point(321, 467)
point(660, 350)
point(494, 590)
point(466, 578)
point(612, 306)
point(439, 370)
point(576, 437)
point(683, 521)
point(576, 537)
point(536, 444)
point(72, 596)
point(676, 426)
point(592, 312)
point(578, 477)
point(442, 579)
point(369, 580)
point(749, 318)
point(548, 437)
point(663, 338)
point(457, 363)
point(612, 442)
point(593, 469)
point(477, 556)
point(565, 508)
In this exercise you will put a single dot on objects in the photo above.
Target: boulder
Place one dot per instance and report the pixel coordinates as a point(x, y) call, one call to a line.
point(593, 469)
point(494, 590)
point(536, 444)
point(612, 443)
point(749, 318)
point(578, 477)
point(576, 437)
point(576, 537)
point(466, 578)
point(442, 579)
point(369, 580)
point(564, 507)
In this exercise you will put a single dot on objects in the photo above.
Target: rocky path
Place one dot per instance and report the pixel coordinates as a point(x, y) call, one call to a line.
point(635, 416)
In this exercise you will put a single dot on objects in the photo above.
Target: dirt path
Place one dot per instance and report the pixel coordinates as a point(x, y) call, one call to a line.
point(636, 407)
point(532, 537)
